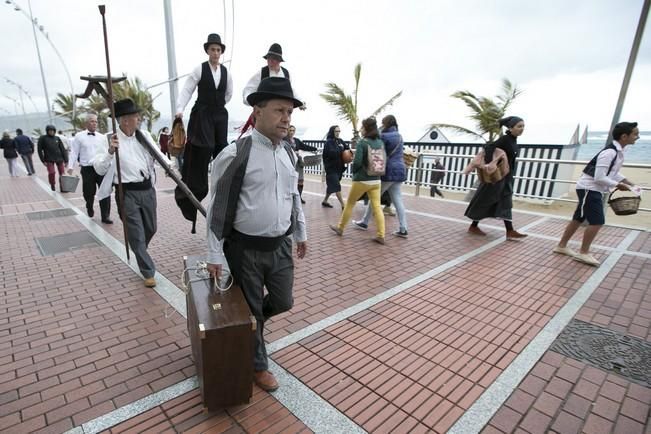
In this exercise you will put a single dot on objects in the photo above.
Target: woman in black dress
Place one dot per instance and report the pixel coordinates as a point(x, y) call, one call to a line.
point(333, 165)
point(496, 200)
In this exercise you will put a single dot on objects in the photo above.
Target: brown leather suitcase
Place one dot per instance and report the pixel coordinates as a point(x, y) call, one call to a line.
point(221, 330)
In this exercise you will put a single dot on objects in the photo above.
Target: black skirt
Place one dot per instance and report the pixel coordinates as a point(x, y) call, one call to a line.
point(333, 181)
point(492, 201)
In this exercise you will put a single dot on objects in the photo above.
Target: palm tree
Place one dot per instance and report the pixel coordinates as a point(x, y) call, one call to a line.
point(346, 105)
point(64, 105)
point(136, 90)
point(485, 112)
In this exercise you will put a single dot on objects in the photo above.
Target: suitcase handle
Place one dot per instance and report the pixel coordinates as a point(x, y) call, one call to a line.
point(201, 270)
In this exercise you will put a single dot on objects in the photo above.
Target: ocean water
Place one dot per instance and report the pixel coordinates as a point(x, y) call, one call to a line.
point(640, 152)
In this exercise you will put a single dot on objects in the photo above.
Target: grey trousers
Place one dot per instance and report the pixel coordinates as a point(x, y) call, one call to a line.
point(140, 210)
point(254, 270)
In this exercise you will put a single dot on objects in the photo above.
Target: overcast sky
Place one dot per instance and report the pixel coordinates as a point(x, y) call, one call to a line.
point(568, 57)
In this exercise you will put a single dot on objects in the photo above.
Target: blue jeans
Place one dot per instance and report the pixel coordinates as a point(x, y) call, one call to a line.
point(396, 199)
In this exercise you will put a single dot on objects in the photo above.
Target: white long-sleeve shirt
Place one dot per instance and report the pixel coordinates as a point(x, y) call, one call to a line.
point(269, 194)
point(254, 82)
point(602, 182)
point(136, 163)
point(84, 148)
point(192, 81)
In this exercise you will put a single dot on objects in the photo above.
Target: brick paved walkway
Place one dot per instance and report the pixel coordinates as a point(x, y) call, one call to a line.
point(415, 336)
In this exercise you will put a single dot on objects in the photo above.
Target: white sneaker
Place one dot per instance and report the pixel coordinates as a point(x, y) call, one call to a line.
point(587, 258)
point(359, 224)
point(564, 251)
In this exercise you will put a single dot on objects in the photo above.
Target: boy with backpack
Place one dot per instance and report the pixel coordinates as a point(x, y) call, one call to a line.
point(599, 176)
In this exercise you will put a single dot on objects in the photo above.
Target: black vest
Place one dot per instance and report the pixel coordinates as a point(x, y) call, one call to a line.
point(592, 165)
point(265, 73)
point(207, 94)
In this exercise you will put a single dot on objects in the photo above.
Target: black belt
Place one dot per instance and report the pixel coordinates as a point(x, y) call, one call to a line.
point(264, 244)
point(143, 185)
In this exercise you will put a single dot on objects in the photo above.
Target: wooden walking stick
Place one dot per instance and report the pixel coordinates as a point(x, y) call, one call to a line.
point(109, 85)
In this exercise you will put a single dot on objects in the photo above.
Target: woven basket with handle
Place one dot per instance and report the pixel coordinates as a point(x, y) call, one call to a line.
point(624, 205)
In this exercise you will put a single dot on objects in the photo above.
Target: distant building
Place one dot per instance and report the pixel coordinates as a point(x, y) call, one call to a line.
point(434, 136)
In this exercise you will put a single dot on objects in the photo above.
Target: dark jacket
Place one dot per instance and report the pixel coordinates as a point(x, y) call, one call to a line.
point(300, 146)
point(396, 171)
point(332, 155)
point(9, 147)
point(509, 145)
point(24, 144)
point(51, 149)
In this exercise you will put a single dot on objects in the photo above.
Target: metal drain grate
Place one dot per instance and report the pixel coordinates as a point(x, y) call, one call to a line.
point(66, 243)
point(627, 356)
point(42, 215)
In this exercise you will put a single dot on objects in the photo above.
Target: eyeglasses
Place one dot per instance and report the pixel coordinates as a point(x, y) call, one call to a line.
point(337, 131)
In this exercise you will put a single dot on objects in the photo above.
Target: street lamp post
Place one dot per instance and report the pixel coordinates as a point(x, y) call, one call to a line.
point(35, 26)
point(40, 62)
point(23, 91)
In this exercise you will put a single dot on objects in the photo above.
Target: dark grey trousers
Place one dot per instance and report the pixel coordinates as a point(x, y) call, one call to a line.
point(140, 210)
point(254, 270)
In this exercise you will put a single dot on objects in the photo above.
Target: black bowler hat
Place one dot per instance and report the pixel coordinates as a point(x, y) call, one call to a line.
point(125, 107)
point(275, 51)
point(273, 88)
point(214, 38)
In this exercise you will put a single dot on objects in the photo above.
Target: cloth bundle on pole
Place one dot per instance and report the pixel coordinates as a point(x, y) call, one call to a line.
point(194, 175)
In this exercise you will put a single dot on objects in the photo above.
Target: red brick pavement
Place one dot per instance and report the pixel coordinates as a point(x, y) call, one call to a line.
point(563, 395)
point(95, 339)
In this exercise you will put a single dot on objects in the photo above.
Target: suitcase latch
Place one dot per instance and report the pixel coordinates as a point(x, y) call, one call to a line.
point(216, 306)
point(202, 331)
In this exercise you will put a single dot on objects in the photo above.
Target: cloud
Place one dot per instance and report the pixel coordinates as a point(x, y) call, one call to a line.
point(569, 57)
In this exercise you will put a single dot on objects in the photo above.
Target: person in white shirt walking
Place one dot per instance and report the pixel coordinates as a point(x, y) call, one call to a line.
point(138, 176)
point(85, 146)
point(254, 208)
point(600, 176)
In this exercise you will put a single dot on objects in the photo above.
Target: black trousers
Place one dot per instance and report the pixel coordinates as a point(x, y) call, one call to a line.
point(256, 270)
point(90, 181)
point(208, 127)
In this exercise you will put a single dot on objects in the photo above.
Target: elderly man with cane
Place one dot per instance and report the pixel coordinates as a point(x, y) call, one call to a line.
point(138, 177)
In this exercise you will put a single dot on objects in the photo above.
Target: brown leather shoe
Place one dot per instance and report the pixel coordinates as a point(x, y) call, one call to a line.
point(265, 380)
point(476, 231)
point(515, 235)
point(150, 282)
point(379, 240)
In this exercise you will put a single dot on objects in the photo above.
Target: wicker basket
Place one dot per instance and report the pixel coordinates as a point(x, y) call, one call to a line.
point(624, 205)
point(311, 160)
point(409, 156)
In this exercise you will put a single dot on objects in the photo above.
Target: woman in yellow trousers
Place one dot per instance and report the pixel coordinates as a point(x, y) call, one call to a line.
point(365, 179)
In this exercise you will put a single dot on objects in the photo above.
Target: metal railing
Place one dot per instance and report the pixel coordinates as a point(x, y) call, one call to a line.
point(543, 172)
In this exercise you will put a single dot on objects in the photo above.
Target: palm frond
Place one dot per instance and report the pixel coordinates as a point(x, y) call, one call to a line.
point(469, 99)
point(509, 93)
point(357, 73)
point(387, 104)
